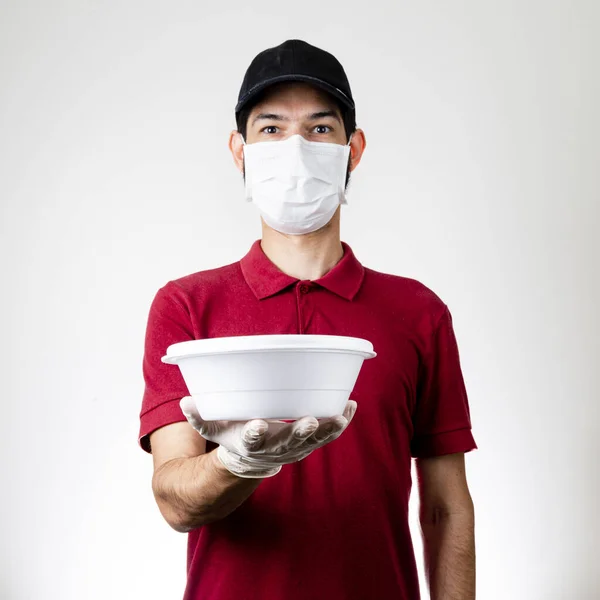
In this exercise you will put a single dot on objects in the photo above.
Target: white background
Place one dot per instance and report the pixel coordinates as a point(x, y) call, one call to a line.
point(480, 179)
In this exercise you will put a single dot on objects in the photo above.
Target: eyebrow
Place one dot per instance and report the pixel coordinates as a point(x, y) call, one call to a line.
point(313, 117)
point(269, 117)
point(325, 113)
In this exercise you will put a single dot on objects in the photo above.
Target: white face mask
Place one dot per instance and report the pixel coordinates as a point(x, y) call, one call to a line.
point(297, 185)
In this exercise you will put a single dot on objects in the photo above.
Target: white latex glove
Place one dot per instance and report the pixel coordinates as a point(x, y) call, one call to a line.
point(259, 448)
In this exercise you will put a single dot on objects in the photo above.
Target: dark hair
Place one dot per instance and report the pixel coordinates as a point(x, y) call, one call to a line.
point(348, 115)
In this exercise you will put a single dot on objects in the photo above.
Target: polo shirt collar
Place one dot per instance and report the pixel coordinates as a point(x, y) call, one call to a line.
point(266, 279)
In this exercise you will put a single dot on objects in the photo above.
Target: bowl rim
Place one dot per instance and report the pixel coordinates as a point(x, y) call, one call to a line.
point(251, 344)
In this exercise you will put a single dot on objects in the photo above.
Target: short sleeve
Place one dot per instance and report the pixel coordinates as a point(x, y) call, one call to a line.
point(441, 419)
point(169, 322)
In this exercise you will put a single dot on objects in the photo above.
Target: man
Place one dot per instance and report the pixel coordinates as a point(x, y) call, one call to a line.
point(311, 509)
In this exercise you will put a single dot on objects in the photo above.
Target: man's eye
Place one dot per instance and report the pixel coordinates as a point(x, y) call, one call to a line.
point(323, 128)
point(270, 129)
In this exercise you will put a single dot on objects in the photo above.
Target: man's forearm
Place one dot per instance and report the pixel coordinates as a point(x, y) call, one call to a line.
point(191, 492)
point(449, 546)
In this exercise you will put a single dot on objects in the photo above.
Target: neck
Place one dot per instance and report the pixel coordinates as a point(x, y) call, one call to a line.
point(306, 257)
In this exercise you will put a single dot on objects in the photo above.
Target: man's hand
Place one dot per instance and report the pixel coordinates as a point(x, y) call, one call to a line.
point(259, 448)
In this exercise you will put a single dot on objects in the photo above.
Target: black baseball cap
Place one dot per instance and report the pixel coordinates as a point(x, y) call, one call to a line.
point(295, 60)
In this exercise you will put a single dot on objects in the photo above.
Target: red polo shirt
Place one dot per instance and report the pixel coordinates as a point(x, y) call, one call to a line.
point(334, 525)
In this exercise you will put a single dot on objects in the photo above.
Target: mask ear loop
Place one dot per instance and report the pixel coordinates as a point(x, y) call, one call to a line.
point(343, 199)
point(247, 191)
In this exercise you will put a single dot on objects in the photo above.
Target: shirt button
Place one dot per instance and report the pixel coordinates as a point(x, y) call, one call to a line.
point(304, 289)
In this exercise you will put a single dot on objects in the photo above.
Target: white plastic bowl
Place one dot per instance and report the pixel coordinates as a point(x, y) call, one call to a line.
point(270, 376)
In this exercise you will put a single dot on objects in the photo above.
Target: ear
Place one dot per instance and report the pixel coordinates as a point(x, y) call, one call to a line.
point(358, 143)
point(236, 147)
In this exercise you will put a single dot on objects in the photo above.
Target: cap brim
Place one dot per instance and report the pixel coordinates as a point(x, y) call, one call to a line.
point(257, 89)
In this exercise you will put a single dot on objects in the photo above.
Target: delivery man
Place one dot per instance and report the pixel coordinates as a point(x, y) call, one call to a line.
point(315, 509)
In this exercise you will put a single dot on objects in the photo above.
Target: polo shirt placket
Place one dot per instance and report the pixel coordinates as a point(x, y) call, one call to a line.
point(304, 298)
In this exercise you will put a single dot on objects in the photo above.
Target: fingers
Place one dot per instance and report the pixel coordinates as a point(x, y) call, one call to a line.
point(331, 429)
point(269, 441)
point(254, 434)
point(301, 430)
point(306, 432)
point(188, 408)
point(350, 410)
point(288, 436)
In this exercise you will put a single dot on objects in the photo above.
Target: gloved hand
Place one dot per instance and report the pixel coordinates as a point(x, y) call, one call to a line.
point(259, 448)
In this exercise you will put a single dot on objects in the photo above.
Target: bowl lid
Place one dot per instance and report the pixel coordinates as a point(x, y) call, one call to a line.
point(261, 343)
